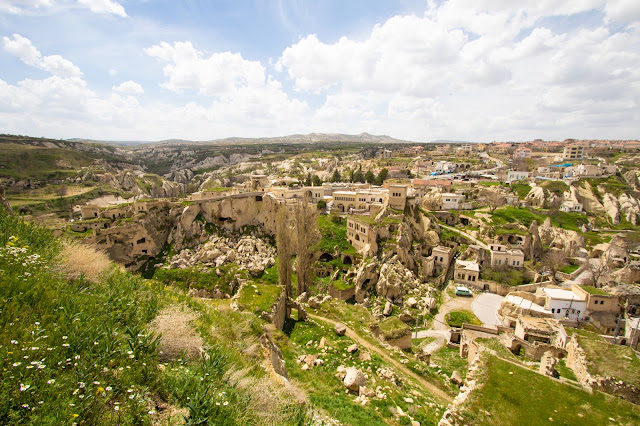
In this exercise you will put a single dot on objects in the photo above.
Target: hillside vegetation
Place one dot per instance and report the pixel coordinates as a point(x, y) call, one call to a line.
point(78, 346)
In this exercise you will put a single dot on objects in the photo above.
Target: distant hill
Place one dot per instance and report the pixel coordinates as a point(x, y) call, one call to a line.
point(294, 139)
point(449, 141)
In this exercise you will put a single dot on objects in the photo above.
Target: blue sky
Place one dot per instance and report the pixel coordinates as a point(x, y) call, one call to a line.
point(477, 70)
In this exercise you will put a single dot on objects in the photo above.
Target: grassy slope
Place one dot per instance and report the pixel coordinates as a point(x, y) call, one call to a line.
point(610, 360)
point(80, 351)
point(26, 161)
point(515, 396)
point(333, 234)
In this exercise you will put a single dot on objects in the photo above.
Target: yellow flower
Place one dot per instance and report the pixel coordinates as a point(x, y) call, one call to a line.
point(100, 389)
point(75, 415)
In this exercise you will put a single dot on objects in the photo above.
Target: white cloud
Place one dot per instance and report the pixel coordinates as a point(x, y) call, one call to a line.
point(27, 53)
point(218, 75)
point(112, 72)
point(625, 11)
point(104, 6)
point(20, 7)
point(130, 87)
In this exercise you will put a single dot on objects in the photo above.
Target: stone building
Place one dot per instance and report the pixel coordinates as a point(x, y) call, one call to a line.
point(501, 256)
point(467, 272)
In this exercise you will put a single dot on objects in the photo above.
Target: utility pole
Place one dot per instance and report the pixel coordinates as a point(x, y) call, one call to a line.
point(615, 336)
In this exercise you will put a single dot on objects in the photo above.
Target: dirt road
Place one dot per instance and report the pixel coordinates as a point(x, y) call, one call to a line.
point(428, 386)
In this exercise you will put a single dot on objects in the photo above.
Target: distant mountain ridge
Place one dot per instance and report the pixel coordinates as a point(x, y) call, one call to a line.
point(296, 138)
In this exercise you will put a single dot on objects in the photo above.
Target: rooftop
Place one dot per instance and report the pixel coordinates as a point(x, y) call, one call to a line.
point(468, 265)
point(526, 304)
point(559, 293)
point(539, 325)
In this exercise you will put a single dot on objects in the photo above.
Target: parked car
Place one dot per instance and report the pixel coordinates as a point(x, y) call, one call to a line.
point(463, 291)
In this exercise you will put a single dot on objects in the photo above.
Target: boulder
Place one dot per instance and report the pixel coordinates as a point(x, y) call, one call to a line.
point(352, 348)
point(340, 329)
point(456, 378)
point(388, 309)
point(354, 379)
point(364, 356)
point(411, 302)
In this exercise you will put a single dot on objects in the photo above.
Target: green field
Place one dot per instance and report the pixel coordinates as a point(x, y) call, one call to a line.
point(513, 395)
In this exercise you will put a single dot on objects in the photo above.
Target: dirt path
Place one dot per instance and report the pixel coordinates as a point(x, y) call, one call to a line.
point(468, 236)
point(430, 387)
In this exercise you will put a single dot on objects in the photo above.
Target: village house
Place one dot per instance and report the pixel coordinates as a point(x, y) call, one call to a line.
point(359, 233)
point(451, 201)
point(442, 256)
point(443, 149)
point(573, 152)
point(501, 256)
point(467, 272)
point(89, 211)
point(570, 206)
point(563, 304)
point(541, 330)
point(522, 153)
point(398, 196)
point(514, 175)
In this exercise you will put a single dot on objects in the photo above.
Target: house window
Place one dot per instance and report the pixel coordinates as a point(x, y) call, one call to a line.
point(553, 310)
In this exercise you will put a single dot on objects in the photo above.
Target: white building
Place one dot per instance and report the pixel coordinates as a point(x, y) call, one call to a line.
point(564, 304)
point(501, 256)
point(451, 201)
point(570, 206)
point(514, 175)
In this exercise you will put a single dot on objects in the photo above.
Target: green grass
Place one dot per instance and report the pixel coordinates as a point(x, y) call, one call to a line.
point(516, 396)
point(457, 318)
point(393, 328)
point(564, 371)
point(334, 233)
point(510, 277)
point(78, 351)
point(592, 290)
point(509, 214)
point(449, 360)
point(521, 189)
point(30, 162)
point(327, 392)
point(605, 359)
point(258, 298)
point(612, 184)
point(556, 187)
point(569, 269)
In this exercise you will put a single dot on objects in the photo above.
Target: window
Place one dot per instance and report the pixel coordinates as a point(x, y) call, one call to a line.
point(553, 310)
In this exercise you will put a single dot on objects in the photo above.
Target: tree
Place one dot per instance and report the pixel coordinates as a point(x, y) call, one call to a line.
point(62, 190)
point(336, 176)
point(552, 261)
point(284, 250)
point(369, 177)
point(382, 176)
point(316, 181)
point(493, 199)
point(307, 181)
point(322, 204)
point(358, 176)
point(307, 235)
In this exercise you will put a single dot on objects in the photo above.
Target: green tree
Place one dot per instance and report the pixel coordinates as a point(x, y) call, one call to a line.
point(358, 176)
point(369, 177)
point(307, 181)
point(336, 176)
point(382, 176)
point(284, 250)
point(316, 181)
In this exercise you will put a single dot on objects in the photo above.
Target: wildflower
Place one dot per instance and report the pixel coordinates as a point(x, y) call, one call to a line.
point(96, 383)
point(66, 345)
point(15, 364)
point(108, 388)
point(24, 387)
point(25, 405)
point(41, 366)
point(131, 396)
point(116, 408)
point(76, 357)
point(64, 337)
point(100, 389)
point(81, 385)
point(75, 415)
point(152, 411)
point(225, 403)
point(15, 342)
point(51, 381)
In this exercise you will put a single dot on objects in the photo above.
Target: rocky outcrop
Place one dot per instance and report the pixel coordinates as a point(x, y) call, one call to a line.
point(610, 204)
point(584, 194)
point(630, 208)
point(569, 241)
point(535, 243)
point(247, 253)
point(535, 197)
point(395, 279)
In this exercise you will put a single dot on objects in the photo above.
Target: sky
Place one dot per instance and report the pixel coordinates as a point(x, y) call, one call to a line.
point(474, 70)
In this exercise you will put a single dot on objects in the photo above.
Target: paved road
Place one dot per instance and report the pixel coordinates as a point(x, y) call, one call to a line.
point(485, 306)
